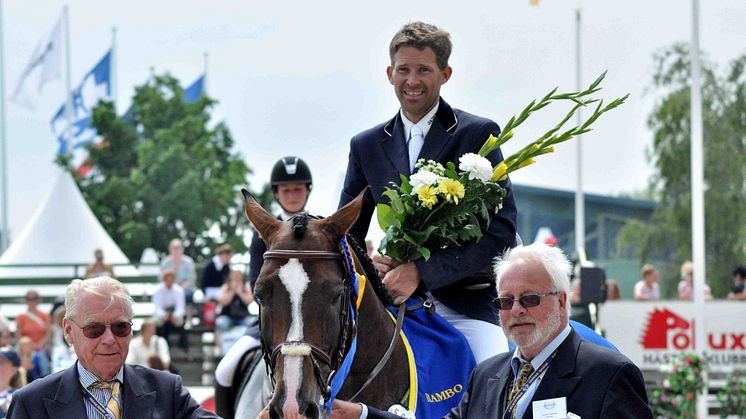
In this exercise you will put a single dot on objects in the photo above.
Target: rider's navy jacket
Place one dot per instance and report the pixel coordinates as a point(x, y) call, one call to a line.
point(459, 277)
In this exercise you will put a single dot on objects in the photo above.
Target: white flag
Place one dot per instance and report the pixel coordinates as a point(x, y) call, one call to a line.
point(45, 65)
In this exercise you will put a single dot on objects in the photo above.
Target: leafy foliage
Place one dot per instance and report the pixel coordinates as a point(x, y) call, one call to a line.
point(668, 234)
point(679, 398)
point(732, 396)
point(163, 172)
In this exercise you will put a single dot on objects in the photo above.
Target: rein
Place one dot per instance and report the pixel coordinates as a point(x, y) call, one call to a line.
point(303, 348)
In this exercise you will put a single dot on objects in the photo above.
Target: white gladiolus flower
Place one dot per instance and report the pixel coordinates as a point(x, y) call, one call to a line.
point(476, 166)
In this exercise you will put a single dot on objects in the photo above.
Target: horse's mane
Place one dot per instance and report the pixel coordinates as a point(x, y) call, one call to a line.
point(371, 273)
point(300, 226)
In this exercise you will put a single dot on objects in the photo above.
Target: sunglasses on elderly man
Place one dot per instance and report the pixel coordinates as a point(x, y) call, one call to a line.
point(96, 330)
point(527, 301)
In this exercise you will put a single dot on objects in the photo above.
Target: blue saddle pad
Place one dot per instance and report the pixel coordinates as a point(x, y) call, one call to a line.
point(443, 361)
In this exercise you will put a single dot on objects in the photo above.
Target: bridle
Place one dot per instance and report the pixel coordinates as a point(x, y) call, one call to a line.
point(318, 356)
point(302, 347)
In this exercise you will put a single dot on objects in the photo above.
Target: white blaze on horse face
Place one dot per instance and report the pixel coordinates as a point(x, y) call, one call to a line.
point(295, 280)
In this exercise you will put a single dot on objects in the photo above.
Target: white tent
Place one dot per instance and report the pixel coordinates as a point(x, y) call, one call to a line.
point(62, 231)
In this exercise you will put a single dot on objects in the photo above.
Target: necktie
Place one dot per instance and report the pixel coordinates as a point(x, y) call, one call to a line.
point(523, 374)
point(416, 140)
point(113, 405)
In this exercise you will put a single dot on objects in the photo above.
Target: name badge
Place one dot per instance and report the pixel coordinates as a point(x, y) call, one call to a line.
point(550, 408)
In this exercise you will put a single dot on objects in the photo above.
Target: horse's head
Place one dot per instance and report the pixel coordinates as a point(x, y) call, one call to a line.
point(303, 295)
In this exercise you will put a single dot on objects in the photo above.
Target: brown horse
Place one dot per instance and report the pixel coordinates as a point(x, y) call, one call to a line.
point(306, 329)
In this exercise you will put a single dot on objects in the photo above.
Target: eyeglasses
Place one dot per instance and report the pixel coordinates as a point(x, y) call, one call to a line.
point(96, 330)
point(527, 301)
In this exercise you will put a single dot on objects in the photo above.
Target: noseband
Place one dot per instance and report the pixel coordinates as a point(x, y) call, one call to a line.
point(303, 348)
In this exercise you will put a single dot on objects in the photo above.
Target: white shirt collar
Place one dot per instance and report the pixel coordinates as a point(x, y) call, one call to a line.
point(425, 123)
point(544, 354)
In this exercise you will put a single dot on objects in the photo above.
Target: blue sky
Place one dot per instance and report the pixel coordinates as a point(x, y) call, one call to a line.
point(300, 78)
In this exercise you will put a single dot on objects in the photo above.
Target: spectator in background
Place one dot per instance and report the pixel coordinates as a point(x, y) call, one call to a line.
point(147, 345)
point(98, 268)
point(235, 297)
point(63, 355)
point(11, 378)
point(647, 288)
point(183, 267)
point(612, 290)
point(169, 303)
point(369, 248)
point(34, 362)
point(737, 292)
point(6, 338)
point(686, 286)
point(34, 323)
point(216, 272)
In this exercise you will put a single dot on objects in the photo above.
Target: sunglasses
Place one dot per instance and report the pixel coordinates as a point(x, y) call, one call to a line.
point(527, 301)
point(96, 330)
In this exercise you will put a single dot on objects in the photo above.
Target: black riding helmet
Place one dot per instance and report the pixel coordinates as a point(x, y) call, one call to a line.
point(290, 169)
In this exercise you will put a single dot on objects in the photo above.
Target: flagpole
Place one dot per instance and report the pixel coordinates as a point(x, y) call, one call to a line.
point(68, 86)
point(4, 230)
point(698, 208)
point(113, 69)
point(204, 83)
point(579, 198)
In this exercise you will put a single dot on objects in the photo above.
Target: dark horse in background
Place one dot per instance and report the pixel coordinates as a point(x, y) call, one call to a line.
point(305, 327)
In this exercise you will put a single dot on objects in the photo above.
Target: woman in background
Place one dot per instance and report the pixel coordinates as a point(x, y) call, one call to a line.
point(148, 345)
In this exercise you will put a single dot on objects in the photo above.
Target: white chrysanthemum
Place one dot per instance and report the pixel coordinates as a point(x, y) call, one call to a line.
point(423, 177)
point(476, 166)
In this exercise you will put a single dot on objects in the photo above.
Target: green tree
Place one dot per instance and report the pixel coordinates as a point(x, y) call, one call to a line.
point(668, 235)
point(163, 171)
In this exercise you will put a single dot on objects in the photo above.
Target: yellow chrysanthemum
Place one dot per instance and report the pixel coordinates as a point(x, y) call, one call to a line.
point(500, 173)
point(452, 189)
point(427, 195)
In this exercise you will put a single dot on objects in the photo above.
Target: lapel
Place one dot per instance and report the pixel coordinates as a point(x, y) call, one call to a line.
point(395, 144)
point(559, 381)
point(138, 397)
point(500, 384)
point(68, 401)
point(440, 132)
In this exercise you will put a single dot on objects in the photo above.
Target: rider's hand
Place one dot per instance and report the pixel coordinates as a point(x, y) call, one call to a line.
point(264, 414)
point(383, 264)
point(402, 281)
point(345, 410)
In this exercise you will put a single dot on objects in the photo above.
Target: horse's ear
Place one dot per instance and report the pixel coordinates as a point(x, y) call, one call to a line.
point(266, 225)
point(339, 223)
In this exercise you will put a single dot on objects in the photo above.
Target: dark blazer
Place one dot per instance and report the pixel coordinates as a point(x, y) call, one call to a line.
point(597, 382)
point(146, 394)
point(460, 277)
point(212, 277)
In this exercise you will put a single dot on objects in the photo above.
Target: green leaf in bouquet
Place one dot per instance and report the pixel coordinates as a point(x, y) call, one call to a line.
point(405, 186)
point(424, 251)
point(451, 170)
point(395, 199)
point(385, 216)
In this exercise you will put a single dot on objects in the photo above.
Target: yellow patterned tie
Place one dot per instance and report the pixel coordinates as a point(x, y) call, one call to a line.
point(113, 405)
point(523, 373)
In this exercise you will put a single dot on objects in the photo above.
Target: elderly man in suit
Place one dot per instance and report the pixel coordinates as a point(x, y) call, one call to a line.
point(551, 366)
point(426, 127)
point(98, 324)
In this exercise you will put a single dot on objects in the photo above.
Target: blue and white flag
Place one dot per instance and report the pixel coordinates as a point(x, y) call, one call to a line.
point(194, 91)
point(45, 65)
point(96, 85)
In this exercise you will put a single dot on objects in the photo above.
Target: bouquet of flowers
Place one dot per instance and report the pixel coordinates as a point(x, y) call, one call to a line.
point(440, 206)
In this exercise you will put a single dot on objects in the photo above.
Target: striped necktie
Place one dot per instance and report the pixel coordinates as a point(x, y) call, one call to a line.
point(523, 374)
point(114, 404)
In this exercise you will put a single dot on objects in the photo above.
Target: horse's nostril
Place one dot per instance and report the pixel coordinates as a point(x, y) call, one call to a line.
point(311, 411)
